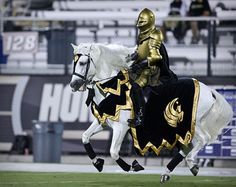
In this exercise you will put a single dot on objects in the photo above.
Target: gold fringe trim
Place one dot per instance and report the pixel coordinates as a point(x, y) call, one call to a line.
point(195, 104)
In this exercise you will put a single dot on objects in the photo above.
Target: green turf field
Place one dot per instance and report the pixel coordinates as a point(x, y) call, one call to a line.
point(25, 179)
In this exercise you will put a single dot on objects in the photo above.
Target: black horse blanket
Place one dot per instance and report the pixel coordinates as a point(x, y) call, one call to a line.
point(170, 116)
point(170, 112)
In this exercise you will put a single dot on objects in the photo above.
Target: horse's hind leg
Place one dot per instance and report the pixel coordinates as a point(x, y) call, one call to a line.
point(187, 153)
point(171, 166)
point(208, 127)
point(194, 168)
point(94, 128)
point(175, 161)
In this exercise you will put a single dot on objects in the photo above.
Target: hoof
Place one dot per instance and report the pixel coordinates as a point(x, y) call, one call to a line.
point(136, 166)
point(195, 170)
point(99, 164)
point(164, 178)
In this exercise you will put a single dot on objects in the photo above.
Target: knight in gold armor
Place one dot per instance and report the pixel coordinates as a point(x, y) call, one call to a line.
point(150, 60)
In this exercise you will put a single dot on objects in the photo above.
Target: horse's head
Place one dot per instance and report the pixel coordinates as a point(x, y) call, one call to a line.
point(93, 62)
point(83, 68)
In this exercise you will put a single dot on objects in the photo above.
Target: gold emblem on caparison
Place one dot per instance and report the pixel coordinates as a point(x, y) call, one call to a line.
point(173, 113)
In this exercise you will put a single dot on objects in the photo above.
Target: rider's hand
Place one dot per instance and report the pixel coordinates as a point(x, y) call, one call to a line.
point(139, 66)
point(132, 57)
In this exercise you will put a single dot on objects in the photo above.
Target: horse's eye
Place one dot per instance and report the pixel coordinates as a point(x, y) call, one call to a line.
point(76, 58)
point(82, 63)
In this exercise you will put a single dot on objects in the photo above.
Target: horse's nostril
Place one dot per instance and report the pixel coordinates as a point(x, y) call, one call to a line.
point(76, 84)
point(72, 84)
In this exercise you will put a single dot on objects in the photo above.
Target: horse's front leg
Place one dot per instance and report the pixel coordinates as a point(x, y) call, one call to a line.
point(94, 128)
point(119, 131)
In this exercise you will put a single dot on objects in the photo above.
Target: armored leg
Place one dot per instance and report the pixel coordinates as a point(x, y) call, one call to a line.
point(137, 97)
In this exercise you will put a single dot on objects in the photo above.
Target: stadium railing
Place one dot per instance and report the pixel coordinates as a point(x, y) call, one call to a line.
point(99, 20)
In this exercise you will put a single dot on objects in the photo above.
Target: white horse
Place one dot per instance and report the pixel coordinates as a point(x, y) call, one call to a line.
point(97, 63)
point(91, 66)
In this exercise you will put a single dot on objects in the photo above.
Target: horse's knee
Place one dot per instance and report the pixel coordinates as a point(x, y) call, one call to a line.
point(85, 138)
point(114, 154)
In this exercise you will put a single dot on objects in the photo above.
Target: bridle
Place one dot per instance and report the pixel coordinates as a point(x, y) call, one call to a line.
point(84, 77)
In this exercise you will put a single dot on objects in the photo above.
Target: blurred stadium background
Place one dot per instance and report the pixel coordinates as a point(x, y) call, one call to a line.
point(35, 67)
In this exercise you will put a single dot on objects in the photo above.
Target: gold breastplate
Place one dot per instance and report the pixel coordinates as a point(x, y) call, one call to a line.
point(143, 50)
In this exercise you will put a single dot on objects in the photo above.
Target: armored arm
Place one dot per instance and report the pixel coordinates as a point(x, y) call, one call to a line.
point(154, 45)
point(132, 57)
point(138, 66)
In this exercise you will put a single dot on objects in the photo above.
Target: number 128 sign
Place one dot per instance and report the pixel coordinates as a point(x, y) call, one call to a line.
point(17, 42)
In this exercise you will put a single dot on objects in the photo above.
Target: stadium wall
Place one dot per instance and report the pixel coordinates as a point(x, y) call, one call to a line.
point(50, 99)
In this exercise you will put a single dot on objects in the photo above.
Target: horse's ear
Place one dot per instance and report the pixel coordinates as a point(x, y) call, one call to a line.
point(73, 45)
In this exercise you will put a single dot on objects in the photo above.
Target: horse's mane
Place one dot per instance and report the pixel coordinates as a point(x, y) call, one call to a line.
point(108, 57)
point(116, 48)
point(119, 48)
point(116, 54)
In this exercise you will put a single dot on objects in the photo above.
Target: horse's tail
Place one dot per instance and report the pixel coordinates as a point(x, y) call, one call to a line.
point(218, 117)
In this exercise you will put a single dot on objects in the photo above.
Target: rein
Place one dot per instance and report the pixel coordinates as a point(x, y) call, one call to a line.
point(100, 80)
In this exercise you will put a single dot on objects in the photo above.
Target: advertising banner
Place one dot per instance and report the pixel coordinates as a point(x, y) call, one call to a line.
point(25, 99)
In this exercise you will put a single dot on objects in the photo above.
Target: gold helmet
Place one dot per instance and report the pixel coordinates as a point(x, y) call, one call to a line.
point(146, 20)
